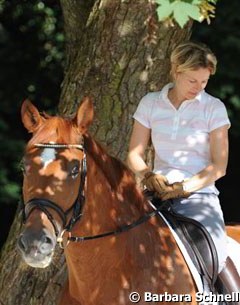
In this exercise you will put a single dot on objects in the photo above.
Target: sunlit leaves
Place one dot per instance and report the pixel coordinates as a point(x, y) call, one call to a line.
point(181, 11)
point(165, 9)
point(184, 11)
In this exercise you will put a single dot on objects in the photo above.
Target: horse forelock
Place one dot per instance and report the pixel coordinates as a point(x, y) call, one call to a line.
point(55, 129)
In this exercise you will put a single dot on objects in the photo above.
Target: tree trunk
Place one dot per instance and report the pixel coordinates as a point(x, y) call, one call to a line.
point(115, 52)
point(116, 64)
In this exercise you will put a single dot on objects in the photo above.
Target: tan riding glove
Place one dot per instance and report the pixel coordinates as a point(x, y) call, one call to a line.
point(155, 182)
point(174, 190)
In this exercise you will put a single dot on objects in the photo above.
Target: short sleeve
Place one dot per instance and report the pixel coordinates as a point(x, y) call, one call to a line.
point(218, 116)
point(143, 112)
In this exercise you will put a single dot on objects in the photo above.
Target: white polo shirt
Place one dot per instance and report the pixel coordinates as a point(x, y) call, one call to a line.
point(181, 136)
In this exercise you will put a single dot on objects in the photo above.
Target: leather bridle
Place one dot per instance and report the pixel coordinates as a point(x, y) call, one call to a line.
point(44, 205)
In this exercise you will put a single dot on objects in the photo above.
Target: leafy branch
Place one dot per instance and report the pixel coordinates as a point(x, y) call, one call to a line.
point(181, 11)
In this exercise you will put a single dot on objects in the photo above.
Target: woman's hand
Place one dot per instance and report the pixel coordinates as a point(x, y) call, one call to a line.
point(155, 182)
point(172, 191)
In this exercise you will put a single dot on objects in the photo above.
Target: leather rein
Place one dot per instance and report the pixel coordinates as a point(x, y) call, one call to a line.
point(44, 205)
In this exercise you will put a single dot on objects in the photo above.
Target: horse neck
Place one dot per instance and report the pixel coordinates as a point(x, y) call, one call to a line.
point(112, 197)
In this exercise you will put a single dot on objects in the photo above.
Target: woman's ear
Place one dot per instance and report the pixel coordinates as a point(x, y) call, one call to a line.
point(85, 114)
point(31, 117)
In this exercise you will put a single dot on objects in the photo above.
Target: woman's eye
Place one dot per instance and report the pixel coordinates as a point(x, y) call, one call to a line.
point(75, 172)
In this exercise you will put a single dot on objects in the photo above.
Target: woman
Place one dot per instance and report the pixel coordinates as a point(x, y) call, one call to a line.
point(189, 132)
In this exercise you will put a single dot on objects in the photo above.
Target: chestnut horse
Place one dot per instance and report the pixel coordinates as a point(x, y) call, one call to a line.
point(77, 195)
point(233, 230)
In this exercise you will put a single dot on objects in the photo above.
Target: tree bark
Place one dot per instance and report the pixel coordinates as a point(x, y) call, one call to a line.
point(116, 65)
point(75, 15)
point(116, 52)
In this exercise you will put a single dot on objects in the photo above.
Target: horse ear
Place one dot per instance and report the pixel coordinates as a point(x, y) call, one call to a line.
point(31, 117)
point(85, 114)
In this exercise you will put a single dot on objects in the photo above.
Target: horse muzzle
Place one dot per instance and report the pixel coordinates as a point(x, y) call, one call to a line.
point(37, 248)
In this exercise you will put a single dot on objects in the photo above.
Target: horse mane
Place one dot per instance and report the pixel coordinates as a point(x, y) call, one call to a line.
point(117, 174)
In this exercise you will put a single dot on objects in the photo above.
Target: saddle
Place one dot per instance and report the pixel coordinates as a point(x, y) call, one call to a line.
point(196, 239)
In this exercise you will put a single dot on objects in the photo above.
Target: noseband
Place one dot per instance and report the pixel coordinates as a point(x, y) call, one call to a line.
point(45, 204)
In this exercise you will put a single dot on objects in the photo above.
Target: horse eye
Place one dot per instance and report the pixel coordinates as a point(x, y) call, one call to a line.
point(75, 172)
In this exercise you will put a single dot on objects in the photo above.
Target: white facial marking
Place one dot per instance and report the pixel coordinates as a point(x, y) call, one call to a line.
point(47, 156)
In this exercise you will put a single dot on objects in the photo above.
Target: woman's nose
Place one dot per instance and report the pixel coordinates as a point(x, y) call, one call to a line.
point(199, 87)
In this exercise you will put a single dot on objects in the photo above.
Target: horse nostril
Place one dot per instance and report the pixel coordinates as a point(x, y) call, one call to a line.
point(22, 244)
point(46, 245)
point(40, 244)
point(48, 240)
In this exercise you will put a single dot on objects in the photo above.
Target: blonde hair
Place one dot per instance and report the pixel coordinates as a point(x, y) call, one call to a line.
point(192, 56)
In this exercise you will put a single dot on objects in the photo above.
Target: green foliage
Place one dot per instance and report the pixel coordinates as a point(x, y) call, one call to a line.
point(181, 11)
point(31, 60)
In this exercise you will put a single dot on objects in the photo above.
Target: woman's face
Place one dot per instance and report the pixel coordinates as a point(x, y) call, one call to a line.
point(189, 83)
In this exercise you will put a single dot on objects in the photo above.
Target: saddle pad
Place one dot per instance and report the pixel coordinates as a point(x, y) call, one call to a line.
point(196, 276)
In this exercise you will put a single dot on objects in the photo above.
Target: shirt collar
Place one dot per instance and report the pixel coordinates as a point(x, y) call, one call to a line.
point(164, 93)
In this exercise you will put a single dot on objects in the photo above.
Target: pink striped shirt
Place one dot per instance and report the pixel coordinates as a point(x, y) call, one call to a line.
point(181, 136)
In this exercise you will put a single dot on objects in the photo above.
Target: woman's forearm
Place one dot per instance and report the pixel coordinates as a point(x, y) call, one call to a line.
point(137, 165)
point(207, 176)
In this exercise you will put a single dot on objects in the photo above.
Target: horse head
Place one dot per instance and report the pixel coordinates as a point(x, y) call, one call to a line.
point(53, 167)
